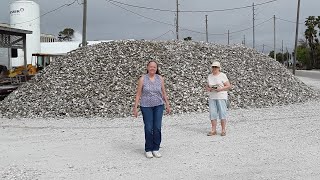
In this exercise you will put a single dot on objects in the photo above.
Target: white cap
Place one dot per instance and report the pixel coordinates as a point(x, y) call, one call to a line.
point(216, 63)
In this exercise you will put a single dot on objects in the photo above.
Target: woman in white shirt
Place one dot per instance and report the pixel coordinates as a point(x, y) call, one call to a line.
point(218, 85)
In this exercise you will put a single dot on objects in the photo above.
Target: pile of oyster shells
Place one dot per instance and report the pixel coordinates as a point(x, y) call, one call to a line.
point(100, 80)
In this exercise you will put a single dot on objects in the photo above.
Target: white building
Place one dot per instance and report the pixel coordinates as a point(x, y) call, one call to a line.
point(25, 14)
point(47, 38)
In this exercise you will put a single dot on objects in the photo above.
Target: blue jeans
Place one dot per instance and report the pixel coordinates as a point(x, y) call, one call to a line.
point(152, 118)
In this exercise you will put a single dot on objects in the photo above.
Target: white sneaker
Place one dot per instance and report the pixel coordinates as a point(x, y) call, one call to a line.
point(149, 154)
point(156, 154)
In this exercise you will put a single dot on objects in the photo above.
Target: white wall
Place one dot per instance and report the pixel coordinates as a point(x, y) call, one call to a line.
point(4, 56)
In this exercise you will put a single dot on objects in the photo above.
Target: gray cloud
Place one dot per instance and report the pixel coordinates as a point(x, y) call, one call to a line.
point(106, 21)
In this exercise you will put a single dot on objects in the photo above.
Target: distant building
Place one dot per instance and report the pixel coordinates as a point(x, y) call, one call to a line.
point(4, 25)
point(47, 38)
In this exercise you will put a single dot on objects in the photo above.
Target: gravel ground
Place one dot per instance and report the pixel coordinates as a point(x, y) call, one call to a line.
point(268, 143)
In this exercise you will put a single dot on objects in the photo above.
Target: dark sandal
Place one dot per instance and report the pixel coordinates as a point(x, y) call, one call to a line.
point(212, 133)
point(223, 133)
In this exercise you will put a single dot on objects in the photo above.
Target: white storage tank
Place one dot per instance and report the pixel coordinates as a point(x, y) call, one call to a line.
point(25, 14)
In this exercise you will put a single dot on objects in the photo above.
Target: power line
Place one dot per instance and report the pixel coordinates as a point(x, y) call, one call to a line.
point(79, 3)
point(289, 21)
point(191, 11)
point(198, 32)
point(69, 4)
point(250, 27)
point(141, 7)
point(234, 32)
point(185, 29)
point(161, 22)
point(163, 34)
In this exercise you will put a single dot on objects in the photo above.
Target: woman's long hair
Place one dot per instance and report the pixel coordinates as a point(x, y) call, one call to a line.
point(157, 71)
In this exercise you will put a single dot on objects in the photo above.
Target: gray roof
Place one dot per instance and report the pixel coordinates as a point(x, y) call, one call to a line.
point(9, 30)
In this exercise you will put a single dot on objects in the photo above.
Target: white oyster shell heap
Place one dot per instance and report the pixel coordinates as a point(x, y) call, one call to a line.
point(100, 80)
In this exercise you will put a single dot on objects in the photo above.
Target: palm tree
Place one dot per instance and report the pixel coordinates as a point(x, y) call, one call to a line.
point(312, 38)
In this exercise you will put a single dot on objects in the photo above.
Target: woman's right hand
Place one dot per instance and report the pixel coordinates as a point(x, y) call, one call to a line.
point(135, 112)
point(209, 89)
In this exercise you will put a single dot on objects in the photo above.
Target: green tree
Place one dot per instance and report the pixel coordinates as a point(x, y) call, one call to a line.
point(311, 34)
point(280, 57)
point(303, 53)
point(188, 38)
point(66, 35)
point(271, 54)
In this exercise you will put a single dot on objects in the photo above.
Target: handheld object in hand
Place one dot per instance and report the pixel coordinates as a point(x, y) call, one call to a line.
point(214, 86)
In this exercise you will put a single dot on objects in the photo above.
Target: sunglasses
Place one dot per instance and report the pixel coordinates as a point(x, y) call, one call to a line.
point(215, 67)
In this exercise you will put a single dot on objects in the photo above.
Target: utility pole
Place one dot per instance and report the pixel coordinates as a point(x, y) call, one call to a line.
point(244, 39)
point(274, 37)
point(206, 28)
point(228, 37)
point(253, 19)
point(84, 24)
point(177, 20)
point(296, 40)
point(263, 48)
point(287, 53)
point(9, 58)
point(282, 52)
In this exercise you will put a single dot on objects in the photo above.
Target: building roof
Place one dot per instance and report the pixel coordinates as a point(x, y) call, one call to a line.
point(4, 24)
point(47, 35)
point(13, 31)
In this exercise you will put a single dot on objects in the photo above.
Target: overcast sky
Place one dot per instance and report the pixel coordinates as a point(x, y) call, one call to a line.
point(107, 21)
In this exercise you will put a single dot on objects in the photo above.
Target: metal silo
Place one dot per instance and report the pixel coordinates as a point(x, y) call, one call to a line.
point(25, 14)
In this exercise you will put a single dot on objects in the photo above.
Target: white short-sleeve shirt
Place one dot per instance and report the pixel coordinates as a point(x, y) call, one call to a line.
point(217, 80)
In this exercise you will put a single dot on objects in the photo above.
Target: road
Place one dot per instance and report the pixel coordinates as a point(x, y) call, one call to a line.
point(314, 74)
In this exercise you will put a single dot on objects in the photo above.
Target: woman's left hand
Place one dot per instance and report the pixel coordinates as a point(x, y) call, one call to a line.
point(168, 110)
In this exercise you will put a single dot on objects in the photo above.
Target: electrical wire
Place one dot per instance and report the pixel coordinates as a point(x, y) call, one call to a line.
point(69, 4)
point(79, 2)
point(272, 48)
point(162, 35)
point(232, 32)
point(161, 22)
point(185, 29)
point(198, 32)
point(251, 27)
point(288, 20)
point(191, 11)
